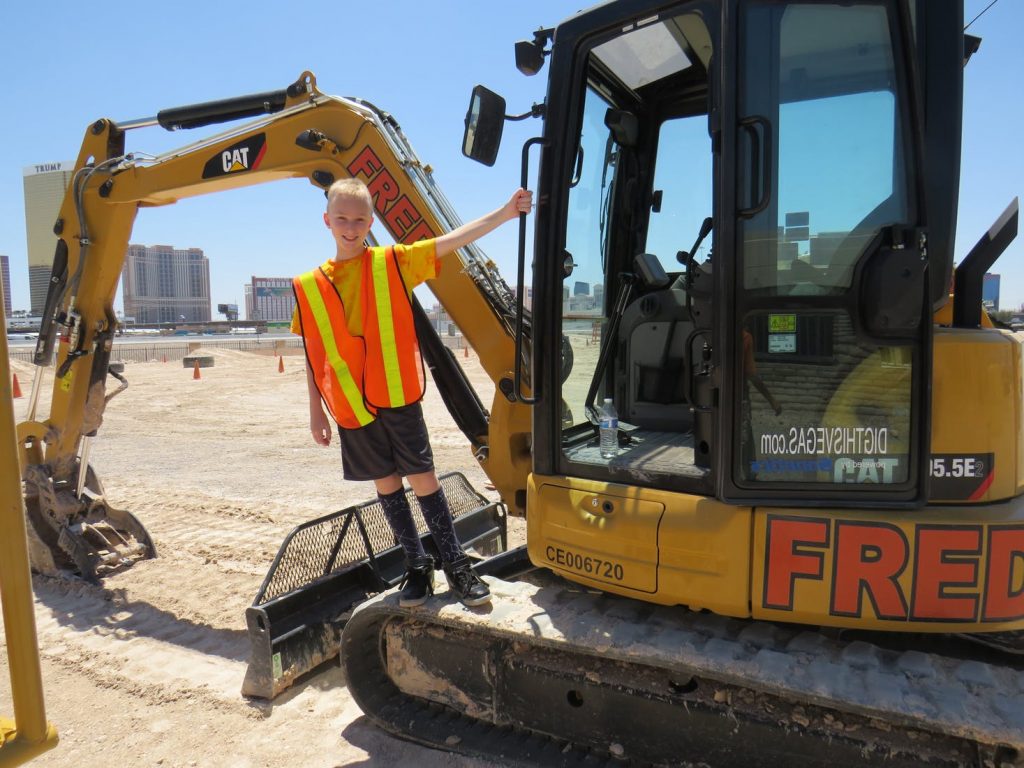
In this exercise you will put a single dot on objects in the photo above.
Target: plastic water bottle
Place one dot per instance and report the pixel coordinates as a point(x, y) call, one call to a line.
point(609, 429)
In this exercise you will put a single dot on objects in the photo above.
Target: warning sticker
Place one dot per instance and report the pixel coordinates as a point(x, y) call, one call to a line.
point(781, 323)
point(275, 666)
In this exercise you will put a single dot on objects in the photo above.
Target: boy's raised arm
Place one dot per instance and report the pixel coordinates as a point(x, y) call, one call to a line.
point(520, 202)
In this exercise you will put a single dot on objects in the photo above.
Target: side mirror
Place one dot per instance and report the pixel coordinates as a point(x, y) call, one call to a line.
point(485, 121)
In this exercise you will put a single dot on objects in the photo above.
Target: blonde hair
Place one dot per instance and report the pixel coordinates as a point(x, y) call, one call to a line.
point(351, 188)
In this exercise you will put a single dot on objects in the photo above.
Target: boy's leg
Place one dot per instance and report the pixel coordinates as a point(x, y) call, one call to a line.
point(438, 516)
point(410, 445)
point(418, 583)
point(366, 455)
point(413, 457)
point(399, 515)
point(388, 485)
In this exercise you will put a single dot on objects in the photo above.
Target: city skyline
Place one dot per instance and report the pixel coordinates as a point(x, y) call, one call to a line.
point(275, 229)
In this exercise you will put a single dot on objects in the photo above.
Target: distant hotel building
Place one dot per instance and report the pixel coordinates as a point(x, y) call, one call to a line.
point(5, 276)
point(581, 300)
point(163, 284)
point(270, 299)
point(45, 185)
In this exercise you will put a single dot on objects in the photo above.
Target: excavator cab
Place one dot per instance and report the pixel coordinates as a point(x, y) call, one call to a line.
point(733, 236)
point(801, 145)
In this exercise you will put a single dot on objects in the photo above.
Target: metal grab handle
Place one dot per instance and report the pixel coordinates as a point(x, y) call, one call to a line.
point(760, 162)
point(627, 281)
point(517, 392)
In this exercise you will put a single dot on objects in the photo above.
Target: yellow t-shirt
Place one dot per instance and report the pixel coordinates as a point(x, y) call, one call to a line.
point(417, 263)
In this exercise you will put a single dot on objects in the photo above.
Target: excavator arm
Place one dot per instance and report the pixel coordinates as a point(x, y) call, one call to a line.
point(299, 133)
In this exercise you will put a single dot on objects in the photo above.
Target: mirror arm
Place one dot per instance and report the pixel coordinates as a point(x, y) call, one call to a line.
point(537, 110)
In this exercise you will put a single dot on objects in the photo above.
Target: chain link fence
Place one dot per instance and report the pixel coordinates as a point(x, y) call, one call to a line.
point(137, 352)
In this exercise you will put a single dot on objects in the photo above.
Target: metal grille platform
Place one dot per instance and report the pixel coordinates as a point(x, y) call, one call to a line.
point(327, 566)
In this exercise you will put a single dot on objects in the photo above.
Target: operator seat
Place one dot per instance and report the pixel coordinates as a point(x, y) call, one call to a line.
point(653, 335)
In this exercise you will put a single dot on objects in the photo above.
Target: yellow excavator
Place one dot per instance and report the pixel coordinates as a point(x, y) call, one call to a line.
point(772, 479)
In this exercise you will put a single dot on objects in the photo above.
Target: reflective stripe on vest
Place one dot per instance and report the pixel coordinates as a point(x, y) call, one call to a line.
point(394, 374)
point(336, 358)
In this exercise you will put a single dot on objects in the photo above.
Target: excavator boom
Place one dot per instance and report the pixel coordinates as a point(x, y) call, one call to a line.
point(306, 135)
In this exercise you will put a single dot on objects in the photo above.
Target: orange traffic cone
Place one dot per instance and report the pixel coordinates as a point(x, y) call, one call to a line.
point(195, 371)
point(280, 364)
point(16, 387)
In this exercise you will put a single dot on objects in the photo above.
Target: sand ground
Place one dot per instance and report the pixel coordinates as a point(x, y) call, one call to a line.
point(146, 669)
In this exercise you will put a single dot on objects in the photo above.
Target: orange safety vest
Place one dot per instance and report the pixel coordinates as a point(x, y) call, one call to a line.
point(336, 357)
point(394, 375)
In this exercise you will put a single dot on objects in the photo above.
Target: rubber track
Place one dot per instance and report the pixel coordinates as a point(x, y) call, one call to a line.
point(980, 702)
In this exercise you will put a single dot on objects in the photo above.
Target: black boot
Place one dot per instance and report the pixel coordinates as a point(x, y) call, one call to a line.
point(466, 585)
point(418, 583)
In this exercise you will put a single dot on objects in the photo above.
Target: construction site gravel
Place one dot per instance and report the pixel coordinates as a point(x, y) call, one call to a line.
point(146, 669)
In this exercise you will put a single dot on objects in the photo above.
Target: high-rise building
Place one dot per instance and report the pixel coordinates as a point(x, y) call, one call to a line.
point(270, 299)
point(163, 284)
point(5, 275)
point(45, 185)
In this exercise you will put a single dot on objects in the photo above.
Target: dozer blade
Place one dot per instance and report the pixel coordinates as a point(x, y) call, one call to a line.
point(329, 565)
point(550, 675)
point(83, 534)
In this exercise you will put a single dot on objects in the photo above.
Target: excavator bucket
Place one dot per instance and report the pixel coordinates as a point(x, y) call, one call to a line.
point(328, 566)
point(81, 534)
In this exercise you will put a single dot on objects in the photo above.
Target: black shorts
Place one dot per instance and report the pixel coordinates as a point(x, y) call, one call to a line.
point(395, 442)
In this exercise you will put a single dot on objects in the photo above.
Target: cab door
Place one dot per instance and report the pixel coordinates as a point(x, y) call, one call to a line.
point(822, 315)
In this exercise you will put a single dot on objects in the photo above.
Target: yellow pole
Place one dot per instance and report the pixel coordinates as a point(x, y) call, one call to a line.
point(30, 734)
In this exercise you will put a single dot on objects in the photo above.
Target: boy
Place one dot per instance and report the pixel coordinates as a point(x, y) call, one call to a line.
point(354, 314)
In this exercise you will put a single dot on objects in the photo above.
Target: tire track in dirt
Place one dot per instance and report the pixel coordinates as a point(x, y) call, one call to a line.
point(241, 538)
point(172, 627)
point(131, 644)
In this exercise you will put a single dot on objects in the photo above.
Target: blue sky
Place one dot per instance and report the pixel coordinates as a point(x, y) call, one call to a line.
point(65, 65)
